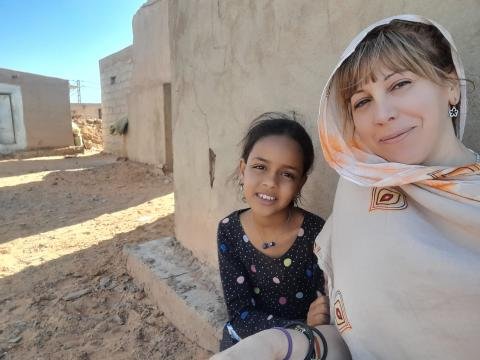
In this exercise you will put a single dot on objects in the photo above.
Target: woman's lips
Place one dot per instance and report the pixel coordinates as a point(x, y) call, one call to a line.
point(396, 136)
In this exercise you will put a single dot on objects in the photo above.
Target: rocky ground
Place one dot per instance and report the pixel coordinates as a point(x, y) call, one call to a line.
point(91, 131)
point(64, 289)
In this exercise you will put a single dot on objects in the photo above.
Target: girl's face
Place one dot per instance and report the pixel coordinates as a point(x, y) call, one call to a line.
point(403, 117)
point(272, 175)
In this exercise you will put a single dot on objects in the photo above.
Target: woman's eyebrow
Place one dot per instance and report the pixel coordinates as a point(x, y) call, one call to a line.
point(390, 75)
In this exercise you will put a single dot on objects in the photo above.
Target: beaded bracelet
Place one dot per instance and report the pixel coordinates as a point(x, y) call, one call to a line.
point(289, 339)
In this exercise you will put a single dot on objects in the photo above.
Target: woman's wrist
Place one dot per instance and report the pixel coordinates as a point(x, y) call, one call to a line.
point(277, 343)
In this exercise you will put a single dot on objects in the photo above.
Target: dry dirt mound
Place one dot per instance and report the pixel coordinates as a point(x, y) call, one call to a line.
point(91, 130)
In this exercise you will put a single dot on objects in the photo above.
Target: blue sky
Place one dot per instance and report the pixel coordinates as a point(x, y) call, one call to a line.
point(65, 38)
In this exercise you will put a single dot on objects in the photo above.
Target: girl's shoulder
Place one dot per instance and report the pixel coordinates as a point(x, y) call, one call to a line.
point(311, 219)
point(232, 217)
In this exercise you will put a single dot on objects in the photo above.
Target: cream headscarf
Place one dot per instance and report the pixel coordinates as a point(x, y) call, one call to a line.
point(356, 165)
point(401, 249)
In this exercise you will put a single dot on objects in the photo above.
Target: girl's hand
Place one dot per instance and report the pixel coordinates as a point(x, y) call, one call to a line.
point(319, 312)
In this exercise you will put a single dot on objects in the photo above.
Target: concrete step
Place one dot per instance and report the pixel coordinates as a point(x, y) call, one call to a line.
point(188, 292)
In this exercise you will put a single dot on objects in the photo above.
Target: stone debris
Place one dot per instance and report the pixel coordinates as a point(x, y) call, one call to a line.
point(15, 340)
point(105, 281)
point(77, 294)
point(118, 319)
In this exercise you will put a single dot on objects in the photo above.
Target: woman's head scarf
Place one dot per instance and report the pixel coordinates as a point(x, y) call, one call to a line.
point(357, 165)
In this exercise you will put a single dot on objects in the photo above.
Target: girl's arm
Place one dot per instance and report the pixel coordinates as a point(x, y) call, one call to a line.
point(238, 292)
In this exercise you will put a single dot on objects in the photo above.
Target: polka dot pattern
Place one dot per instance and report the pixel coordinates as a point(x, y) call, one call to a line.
point(261, 291)
point(223, 248)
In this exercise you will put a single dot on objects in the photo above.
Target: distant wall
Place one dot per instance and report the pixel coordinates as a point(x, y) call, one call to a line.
point(149, 134)
point(86, 110)
point(236, 59)
point(45, 108)
point(115, 78)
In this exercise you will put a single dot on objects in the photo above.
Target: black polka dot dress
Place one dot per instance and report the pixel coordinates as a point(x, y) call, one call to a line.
point(260, 291)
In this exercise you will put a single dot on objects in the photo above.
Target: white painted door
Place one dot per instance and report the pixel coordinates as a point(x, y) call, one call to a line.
point(7, 132)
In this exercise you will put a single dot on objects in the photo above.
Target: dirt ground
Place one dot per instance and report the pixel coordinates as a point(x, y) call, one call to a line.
point(64, 289)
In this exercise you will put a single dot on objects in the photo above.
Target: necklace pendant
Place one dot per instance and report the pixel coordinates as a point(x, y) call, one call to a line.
point(267, 245)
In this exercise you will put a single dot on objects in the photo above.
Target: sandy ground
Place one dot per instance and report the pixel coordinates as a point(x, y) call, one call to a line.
point(64, 289)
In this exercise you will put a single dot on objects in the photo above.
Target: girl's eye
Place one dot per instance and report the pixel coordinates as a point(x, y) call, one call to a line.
point(289, 175)
point(360, 103)
point(258, 167)
point(401, 84)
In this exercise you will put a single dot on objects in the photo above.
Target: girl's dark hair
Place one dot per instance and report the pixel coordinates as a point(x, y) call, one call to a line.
point(276, 123)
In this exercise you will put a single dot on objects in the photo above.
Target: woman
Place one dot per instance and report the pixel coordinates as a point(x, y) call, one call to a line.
point(401, 250)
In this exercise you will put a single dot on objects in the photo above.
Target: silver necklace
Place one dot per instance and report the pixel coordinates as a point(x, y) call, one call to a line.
point(269, 244)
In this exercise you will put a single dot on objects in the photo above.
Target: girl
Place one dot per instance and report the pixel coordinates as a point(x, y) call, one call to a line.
point(268, 270)
point(401, 250)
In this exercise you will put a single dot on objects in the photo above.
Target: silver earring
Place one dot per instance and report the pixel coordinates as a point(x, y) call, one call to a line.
point(453, 112)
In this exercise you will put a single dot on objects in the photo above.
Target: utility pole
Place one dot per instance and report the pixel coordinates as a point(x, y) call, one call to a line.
point(79, 96)
point(77, 88)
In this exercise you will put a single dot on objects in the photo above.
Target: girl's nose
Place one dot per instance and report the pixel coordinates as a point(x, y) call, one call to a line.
point(384, 111)
point(270, 180)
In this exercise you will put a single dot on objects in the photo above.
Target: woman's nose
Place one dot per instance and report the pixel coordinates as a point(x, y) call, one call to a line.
point(384, 111)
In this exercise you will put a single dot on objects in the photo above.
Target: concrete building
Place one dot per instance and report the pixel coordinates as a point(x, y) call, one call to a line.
point(115, 76)
point(34, 112)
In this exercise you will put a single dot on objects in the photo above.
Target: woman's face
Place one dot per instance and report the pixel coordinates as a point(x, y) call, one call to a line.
point(403, 117)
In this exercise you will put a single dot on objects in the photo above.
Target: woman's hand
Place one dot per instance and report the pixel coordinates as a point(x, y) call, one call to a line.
point(319, 312)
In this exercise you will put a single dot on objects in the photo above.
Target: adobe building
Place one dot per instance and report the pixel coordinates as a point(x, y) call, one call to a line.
point(229, 62)
point(234, 60)
point(219, 64)
point(34, 112)
point(135, 84)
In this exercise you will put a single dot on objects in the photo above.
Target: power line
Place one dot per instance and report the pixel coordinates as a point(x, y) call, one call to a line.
point(76, 87)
